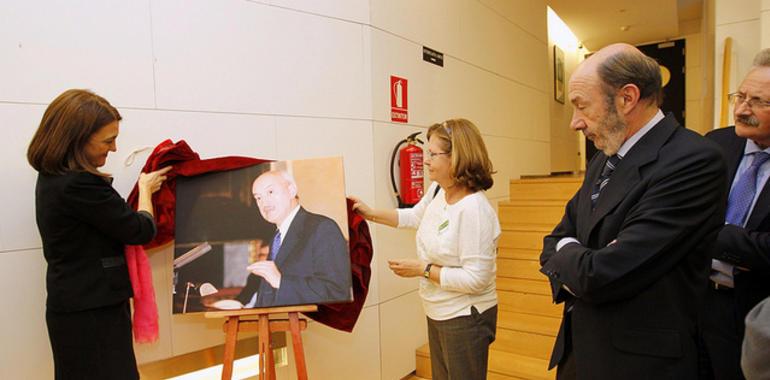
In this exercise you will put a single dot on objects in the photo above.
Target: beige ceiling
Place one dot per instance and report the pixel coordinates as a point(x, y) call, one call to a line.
point(598, 23)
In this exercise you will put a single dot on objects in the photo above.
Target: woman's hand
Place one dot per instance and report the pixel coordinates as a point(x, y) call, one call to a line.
point(407, 267)
point(360, 207)
point(151, 182)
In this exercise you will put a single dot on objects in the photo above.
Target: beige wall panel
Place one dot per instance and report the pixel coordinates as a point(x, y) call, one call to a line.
point(18, 229)
point(389, 243)
point(694, 50)
point(25, 352)
point(745, 47)
point(693, 85)
point(334, 354)
point(434, 23)
point(402, 329)
point(565, 155)
point(499, 106)
point(497, 45)
point(209, 134)
point(728, 12)
point(528, 15)
point(225, 56)
point(694, 117)
point(351, 10)
point(514, 158)
point(48, 47)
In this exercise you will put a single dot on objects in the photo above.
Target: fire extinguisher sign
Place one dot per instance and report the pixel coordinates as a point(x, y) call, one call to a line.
point(399, 112)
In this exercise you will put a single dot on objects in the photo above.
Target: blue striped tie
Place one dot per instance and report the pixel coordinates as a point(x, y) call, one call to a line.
point(276, 246)
point(742, 195)
point(604, 178)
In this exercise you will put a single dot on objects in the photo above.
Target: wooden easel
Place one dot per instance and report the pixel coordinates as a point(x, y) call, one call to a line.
point(264, 326)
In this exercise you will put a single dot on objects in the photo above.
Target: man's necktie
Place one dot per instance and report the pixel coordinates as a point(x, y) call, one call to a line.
point(276, 245)
point(604, 178)
point(742, 195)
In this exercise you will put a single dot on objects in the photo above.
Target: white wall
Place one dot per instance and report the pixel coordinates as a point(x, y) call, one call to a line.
point(280, 79)
point(741, 21)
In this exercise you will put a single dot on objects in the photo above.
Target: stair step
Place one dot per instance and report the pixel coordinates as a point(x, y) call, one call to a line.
point(544, 189)
point(522, 269)
point(539, 287)
point(514, 365)
point(518, 253)
point(528, 303)
point(524, 343)
point(422, 356)
point(531, 213)
point(536, 324)
point(532, 240)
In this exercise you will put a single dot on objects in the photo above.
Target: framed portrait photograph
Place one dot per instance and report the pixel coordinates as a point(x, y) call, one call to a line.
point(558, 74)
point(268, 235)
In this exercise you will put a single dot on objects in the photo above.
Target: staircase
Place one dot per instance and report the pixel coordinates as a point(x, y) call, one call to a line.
point(528, 321)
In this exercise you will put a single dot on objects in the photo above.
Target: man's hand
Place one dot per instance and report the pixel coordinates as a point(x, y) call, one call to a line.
point(268, 271)
point(407, 267)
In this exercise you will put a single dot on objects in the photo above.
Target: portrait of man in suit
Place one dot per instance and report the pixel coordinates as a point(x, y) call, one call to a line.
point(740, 271)
point(308, 260)
point(629, 260)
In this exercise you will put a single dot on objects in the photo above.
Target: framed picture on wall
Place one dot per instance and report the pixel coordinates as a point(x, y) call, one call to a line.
point(558, 74)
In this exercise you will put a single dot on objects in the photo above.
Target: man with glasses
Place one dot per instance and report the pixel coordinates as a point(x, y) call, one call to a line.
point(740, 272)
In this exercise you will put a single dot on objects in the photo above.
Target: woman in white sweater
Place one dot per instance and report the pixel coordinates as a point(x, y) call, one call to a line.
point(457, 232)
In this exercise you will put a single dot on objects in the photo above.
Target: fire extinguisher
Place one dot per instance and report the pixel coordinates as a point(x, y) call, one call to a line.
point(411, 178)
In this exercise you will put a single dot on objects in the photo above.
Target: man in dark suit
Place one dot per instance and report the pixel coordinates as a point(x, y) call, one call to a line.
point(630, 257)
point(308, 261)
point(740, 275)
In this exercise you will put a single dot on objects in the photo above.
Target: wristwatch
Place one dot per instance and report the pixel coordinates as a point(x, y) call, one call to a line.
point(426, 272)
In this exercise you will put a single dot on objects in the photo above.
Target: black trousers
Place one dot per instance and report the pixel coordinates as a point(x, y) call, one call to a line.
point(459, 347)
point(721, 336)
point(93, 344)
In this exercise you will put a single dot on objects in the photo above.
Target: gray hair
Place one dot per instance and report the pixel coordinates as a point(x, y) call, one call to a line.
point(762, 58)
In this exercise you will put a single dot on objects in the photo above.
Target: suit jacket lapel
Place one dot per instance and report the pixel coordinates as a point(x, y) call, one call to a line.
point(627, 174)
point(291, 239)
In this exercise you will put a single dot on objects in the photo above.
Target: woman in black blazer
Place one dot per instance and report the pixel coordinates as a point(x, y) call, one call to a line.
point(84, 225)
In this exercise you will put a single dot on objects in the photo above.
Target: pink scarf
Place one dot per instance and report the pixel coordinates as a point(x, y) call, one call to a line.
point(145, 308)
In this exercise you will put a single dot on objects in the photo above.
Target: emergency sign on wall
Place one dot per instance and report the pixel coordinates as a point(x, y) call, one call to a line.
point(398, 100)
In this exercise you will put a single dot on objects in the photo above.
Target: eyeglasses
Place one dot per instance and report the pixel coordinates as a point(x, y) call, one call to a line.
point(431, 155)
point(736, 99)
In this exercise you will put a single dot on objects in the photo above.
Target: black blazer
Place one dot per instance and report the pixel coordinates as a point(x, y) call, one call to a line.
point(747, 247)
point(85, 225)
point(640, 272)
point(314, 265)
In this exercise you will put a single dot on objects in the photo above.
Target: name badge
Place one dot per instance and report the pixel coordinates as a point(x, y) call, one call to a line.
point(442, 227)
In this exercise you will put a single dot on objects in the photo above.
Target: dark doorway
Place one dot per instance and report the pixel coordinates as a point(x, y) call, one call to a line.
point(671, 56)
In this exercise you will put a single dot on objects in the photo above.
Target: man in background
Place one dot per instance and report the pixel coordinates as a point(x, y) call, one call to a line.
point(630, 257)
point(740, 271)
point(308, 262)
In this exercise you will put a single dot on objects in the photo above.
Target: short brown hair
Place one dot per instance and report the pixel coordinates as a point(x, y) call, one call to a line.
point(471, 166)
point(58, 146)
point(632, 67)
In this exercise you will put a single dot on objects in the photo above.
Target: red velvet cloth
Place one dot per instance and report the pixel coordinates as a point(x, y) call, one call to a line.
point(186, 163)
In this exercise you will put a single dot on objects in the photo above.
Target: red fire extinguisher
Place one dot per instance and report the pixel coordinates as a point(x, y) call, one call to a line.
point(411, 178)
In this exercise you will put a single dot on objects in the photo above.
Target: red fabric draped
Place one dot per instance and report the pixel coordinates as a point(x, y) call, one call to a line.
point(187, 163)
